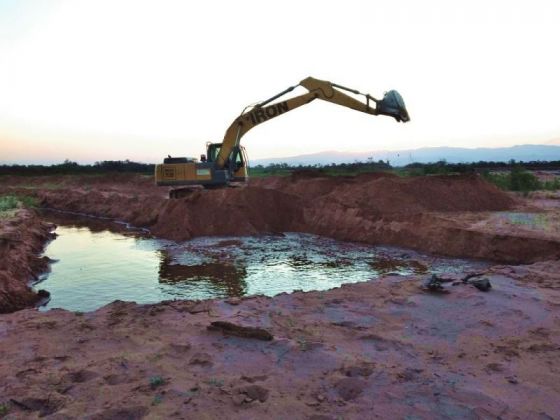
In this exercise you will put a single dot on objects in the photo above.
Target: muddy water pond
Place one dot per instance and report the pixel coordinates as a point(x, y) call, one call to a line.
point(99, 261)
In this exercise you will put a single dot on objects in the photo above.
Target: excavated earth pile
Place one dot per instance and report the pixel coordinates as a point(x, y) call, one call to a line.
point(386, 194)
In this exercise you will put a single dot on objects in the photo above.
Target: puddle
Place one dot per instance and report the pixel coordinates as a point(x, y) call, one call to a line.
point(535, 221)
point(100, 261)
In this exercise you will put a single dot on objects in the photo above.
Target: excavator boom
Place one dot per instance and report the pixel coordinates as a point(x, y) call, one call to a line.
point(391, 105)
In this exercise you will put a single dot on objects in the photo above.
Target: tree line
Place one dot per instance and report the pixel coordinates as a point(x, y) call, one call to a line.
point(73, 168)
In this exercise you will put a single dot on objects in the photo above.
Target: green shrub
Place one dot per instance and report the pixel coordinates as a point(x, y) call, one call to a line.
point(8, 202)
point(156, 381)
point(519, 179)
point(500, 180)
point(552, 185)
point(522, 180)
point(12, 202)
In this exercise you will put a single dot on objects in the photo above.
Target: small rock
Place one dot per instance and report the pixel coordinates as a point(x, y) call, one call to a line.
point(494, 367)
point(230, 328)
point(254, 392)
point(179, 348)
point(133, 413)
point(350, 388)
point(355, 371)
point(43, 294)
point(238, 399)
point(434, 284)
point(203, 359)
point(233, 301)
point(253, 379)
point(45, 406)
point(79, 376)
point(482, 284)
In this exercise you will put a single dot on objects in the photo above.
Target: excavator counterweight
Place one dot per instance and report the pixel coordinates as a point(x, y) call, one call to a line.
point(226, 163)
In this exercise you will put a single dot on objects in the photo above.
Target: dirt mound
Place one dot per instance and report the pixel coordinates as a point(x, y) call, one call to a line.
point(385, 193)
point(245, 211)
point(390, 194)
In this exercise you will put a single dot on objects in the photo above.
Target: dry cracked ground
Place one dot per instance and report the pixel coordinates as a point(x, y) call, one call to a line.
point(397, 347)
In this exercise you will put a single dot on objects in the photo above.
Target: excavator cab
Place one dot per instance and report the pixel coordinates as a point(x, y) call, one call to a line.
point(212, 151)
point(237, 162)
point(393, 105)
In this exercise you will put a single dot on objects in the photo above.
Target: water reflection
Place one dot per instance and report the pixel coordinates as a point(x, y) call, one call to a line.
point(228, 277)
point(386, 265)
point(100, 261)
point(93, 224)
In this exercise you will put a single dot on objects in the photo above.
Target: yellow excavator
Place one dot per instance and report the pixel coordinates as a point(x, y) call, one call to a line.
point(225, 163)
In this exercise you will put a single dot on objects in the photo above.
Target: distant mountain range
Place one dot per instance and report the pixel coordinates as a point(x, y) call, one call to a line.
point(526, 152)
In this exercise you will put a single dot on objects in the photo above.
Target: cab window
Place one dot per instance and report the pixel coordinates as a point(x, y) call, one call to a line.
point(238, 160)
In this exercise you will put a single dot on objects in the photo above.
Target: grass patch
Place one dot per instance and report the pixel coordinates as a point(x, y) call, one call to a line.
point(521, 180)
point(156, 382)
point(44, 186)
point(9, 204)
point(215, 382)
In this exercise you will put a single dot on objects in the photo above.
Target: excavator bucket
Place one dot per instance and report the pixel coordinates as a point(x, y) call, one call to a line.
point(393, 105)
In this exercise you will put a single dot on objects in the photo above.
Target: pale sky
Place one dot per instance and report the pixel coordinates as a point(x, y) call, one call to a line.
point(116, 79)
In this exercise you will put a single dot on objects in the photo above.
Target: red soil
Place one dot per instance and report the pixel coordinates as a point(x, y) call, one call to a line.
point(386, 194)
point(385, 349)
point(381, 349)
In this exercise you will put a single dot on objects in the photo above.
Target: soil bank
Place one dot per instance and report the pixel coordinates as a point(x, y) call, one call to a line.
point(22, 239)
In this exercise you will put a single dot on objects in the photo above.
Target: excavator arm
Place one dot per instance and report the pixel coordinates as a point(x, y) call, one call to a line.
point(391, 105)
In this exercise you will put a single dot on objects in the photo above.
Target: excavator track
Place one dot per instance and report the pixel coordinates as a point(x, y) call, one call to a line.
point(188, 191)
point(184, 192)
